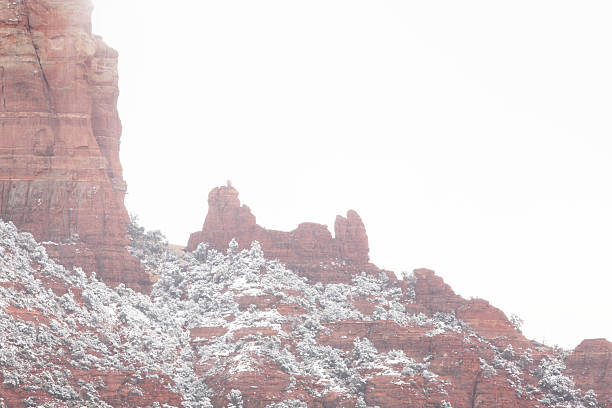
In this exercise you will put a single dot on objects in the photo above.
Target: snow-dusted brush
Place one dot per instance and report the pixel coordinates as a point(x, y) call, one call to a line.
point(235, 329)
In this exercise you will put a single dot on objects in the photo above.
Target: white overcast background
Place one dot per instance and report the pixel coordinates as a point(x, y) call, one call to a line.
point(473, 137)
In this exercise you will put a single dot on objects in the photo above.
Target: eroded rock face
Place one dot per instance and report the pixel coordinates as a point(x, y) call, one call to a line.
point(47, 358)
point(310, 249)
point(218, 325)
point(60, 175)
point(352, 238)
point(591, 366)
point(474, 356)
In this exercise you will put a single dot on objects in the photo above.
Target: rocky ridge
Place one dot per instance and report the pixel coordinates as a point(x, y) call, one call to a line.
point(60, 175)
point(310, 249)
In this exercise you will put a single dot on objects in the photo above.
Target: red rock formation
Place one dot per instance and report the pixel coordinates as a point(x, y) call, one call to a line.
point(116, 392)
point(352, 238)
point(591, 366)
point(60, 175)
point(310, 249)
point(489, 321)
point(59, 135)
point(433, 293)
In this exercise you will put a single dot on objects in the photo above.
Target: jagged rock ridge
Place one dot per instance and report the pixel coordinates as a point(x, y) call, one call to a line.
point(60, 175)
point(310, 248)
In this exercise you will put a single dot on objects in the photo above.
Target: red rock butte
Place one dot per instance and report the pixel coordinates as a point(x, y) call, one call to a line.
point(309, 249)
point(60, 174)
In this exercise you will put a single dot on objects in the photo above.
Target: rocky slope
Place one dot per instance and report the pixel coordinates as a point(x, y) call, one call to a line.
point(70, 340)
point(239, 330)
point(60, 176)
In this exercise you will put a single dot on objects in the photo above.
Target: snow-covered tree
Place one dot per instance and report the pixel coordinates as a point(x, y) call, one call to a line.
point(235, 399)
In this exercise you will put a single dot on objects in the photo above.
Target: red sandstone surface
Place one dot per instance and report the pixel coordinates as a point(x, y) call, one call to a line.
point(60, 175)
point(591, 366)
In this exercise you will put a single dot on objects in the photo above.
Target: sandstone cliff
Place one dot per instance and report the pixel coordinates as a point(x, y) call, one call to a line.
point(60, 175)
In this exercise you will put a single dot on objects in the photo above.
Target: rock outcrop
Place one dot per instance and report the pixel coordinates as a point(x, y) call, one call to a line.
point(236, 328)
point(309, 249)
point(485, 358)
point(58, 344)
point(591, 366)
point(60, 175)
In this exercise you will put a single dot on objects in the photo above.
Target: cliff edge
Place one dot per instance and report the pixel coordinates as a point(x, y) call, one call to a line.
point(60, 175)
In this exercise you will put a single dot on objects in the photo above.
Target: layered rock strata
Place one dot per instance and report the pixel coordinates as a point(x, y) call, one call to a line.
point(60, 175)
point(471, 366)
point(591, 366)
point(236, 328)
point(309, 249)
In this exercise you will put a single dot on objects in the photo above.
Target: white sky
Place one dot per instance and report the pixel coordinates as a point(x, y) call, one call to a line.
point(474, 138)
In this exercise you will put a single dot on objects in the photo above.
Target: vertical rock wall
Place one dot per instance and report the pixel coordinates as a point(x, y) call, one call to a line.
point(60, 174)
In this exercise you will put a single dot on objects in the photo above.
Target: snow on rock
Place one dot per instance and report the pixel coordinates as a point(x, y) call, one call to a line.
point(212, 335)
point(60, 174)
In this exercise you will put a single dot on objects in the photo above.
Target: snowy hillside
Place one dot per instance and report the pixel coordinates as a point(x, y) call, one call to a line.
point(236, 330)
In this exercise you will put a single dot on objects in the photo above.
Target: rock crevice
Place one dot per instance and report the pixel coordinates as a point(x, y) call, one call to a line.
point(60, 175)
